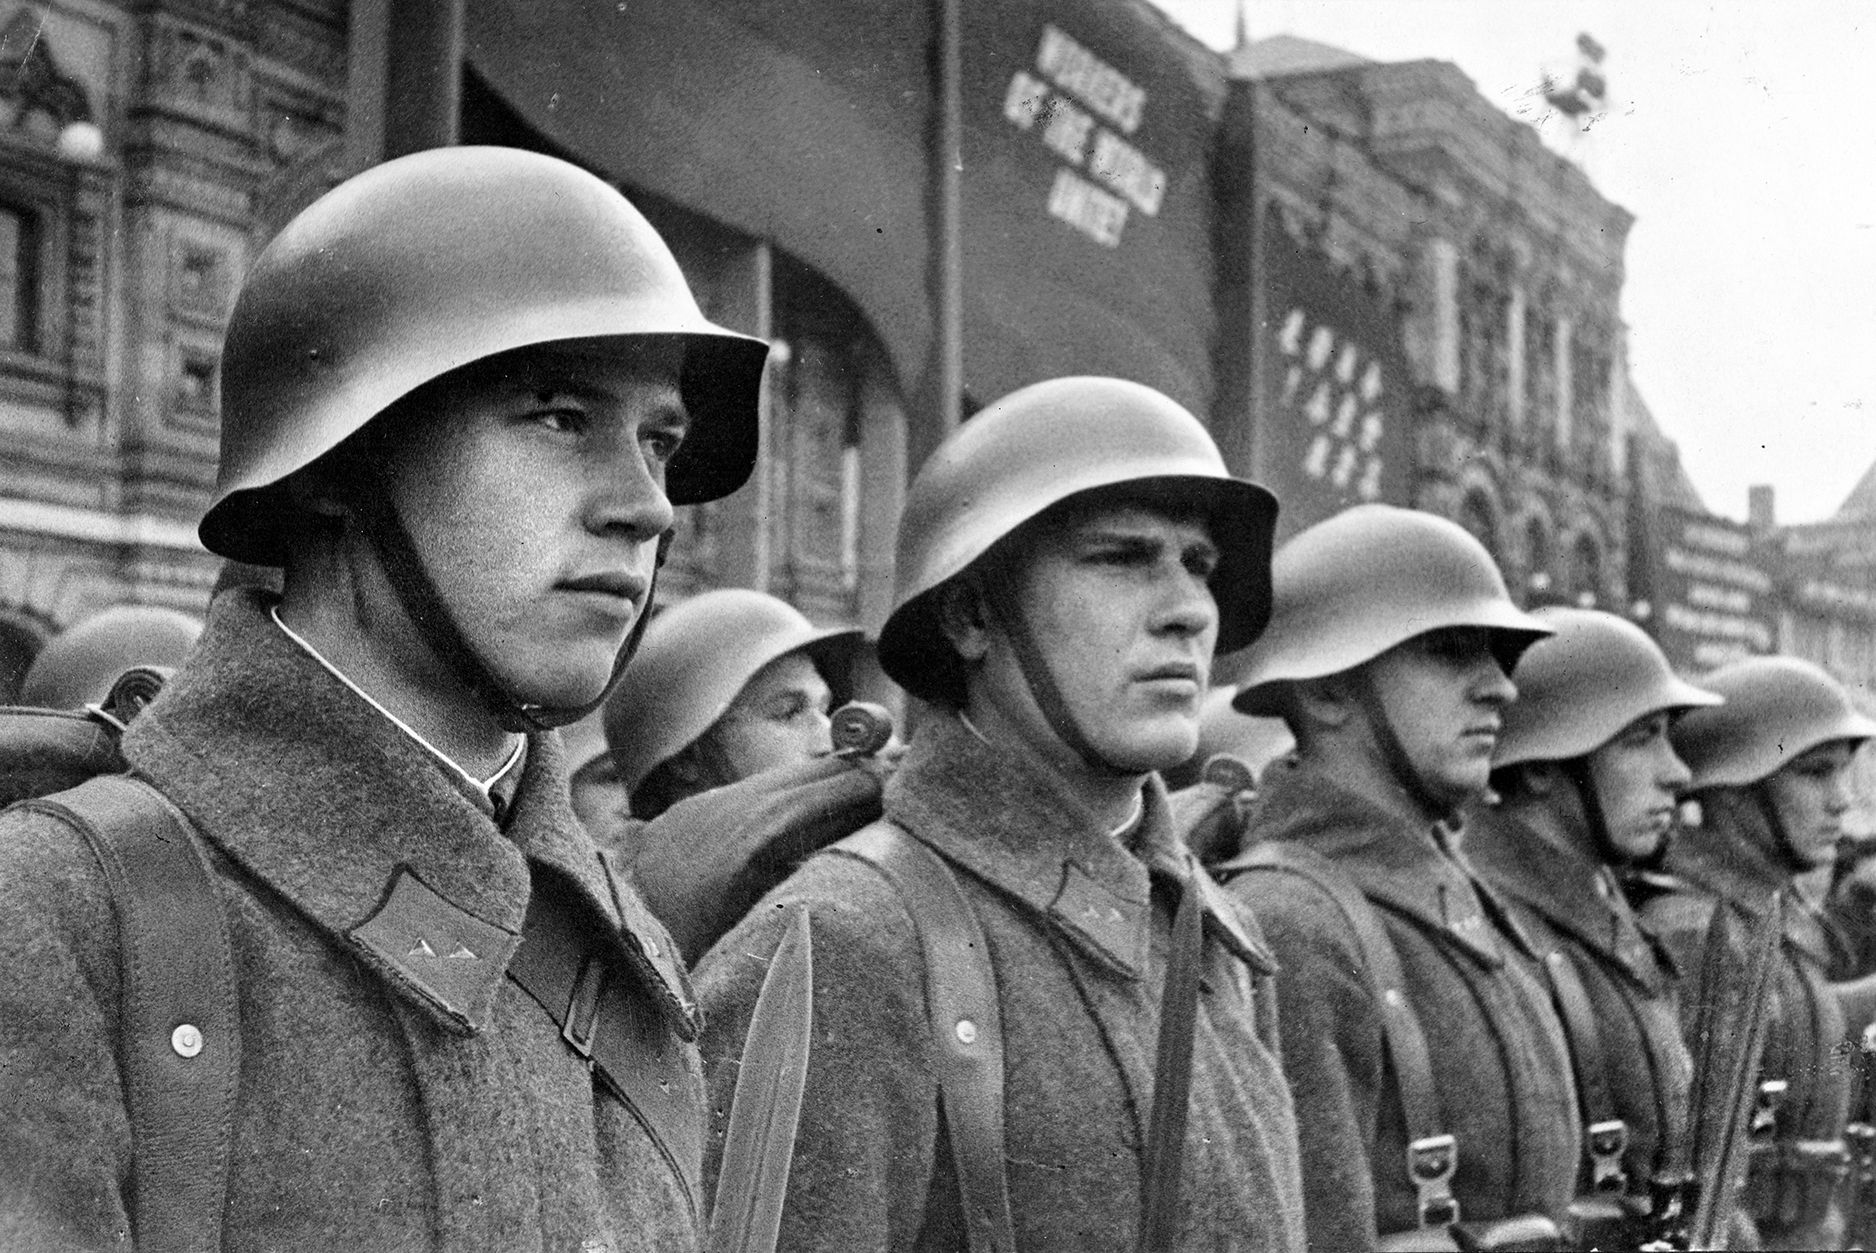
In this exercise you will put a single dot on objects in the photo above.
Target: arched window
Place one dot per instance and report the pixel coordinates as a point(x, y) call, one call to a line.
point(1538, 576)
point(1478, 516)
point(1586, 571)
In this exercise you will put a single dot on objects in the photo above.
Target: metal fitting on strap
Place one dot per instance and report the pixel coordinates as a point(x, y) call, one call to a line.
point(581, 1022)
point(1607, 1142)
point(1764, 1126)
point(1431, 1162)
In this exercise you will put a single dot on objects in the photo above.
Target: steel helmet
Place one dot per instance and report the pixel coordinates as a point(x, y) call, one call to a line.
point(1777, 709)
point(1036, 448)
point(1579, 688)
point(694, 660)
point(1255, 741)
point(1372, 577)
point(428, 263)
point(79, 665)
point(583, 742)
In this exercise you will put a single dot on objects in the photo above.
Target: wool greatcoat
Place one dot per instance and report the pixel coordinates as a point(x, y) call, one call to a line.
point(386, 1100)
point(1078, 928)
point(1568, 902)
point(1732, 861)
point(1500, 1068)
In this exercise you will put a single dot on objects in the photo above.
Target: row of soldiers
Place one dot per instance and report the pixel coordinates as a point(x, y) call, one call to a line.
point(1431, 984)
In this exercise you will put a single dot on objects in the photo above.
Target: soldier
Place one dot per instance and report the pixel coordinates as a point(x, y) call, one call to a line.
point(1430, 1073)
point(460, 395)
point(731, 686)
point(79, 665)
point(1588, 782)
point(1066, 562)
point(1770, 769)
point(599, 799)
point(726, 685)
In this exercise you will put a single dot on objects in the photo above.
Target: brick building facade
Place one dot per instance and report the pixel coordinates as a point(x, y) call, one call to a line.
point(149, 149)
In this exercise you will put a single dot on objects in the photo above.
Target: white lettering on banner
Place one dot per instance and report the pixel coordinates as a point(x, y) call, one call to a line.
point(1087, 208)
point(1025, 101)
point(1719, 626)
point(1067, 131)
point(1099, 85)
point(1343, 408)
point(1719, 569)
point(1042, 106)
point(1121, 166)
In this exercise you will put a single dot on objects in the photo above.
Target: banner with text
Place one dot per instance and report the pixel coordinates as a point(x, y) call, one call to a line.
point(1712, 596)
point(1335, 426)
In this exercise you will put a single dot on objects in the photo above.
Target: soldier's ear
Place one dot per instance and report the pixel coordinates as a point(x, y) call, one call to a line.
point(1323, 703)
point(1540, 778)
point(963, 618)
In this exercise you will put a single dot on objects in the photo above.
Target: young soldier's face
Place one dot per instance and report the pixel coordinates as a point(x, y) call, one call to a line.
point(1638, 779)
point(1443, 693)
point(533, 489)
point(778, 719)
point(1116, 601)
point(1811, 794)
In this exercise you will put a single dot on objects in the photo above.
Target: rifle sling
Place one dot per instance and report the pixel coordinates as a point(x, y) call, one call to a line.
point(966, 1023)
point(1432, 1154)
point(1172, 1075)
point(608, 1020)
point(179, 1043)
point(1605, 1134)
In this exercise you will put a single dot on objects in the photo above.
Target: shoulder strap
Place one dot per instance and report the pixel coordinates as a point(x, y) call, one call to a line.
point(966, 1023)
point(1432, 1153)
point(180, 1049)
point(1605, 1134)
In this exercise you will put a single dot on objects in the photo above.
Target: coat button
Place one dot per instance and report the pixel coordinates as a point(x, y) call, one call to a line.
point(967, 1031)
point(186, 1040)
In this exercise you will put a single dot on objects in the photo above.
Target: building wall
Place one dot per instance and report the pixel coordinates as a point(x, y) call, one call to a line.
point(1505, 266)
point(214, 123)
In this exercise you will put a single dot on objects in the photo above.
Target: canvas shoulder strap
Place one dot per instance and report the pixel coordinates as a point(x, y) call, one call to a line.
point(966, 1023)
point(179, 1049)
point(1432, 1152)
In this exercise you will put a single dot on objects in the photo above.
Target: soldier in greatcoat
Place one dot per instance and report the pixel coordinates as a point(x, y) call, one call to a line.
point(732, 687)
point(1587, 782)
point(1431, 1078)
point(1067, 561)
point(460, 395)
point(1770, 773)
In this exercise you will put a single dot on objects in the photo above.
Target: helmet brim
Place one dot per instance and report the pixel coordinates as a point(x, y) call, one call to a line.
point(1512, 631)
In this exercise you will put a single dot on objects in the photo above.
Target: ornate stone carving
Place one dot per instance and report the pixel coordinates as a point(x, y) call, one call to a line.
point(37, 97)
point(201, 70)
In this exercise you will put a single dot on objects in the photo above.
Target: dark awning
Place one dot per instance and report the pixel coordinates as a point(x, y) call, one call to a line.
point(1087, 197)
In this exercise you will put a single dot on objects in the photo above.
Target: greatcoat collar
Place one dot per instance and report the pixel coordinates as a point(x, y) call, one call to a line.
point(1414, 869)
point(1567, 889)
point(1729, 856)
point(317, 795)
point(1008, 819)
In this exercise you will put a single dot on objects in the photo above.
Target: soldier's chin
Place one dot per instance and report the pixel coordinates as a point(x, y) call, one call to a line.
point(565, 686)
point(1157, 747)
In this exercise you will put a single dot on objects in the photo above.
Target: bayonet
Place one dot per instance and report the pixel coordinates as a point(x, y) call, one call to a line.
point(760, 1144)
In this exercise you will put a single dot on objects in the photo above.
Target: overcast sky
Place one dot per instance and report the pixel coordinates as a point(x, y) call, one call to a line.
point(1739, 134)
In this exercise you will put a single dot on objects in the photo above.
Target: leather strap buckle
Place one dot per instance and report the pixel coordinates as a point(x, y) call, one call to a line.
point(1607, 1142)
point(1431, 1162)
point(581, 1021)
point(1764, 1126)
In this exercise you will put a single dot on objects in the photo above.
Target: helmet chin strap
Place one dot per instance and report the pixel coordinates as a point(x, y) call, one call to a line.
point(1000, 604)
point(1781, 838)
point(1394, 753)
point(423, 604)
point(1576, 770)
